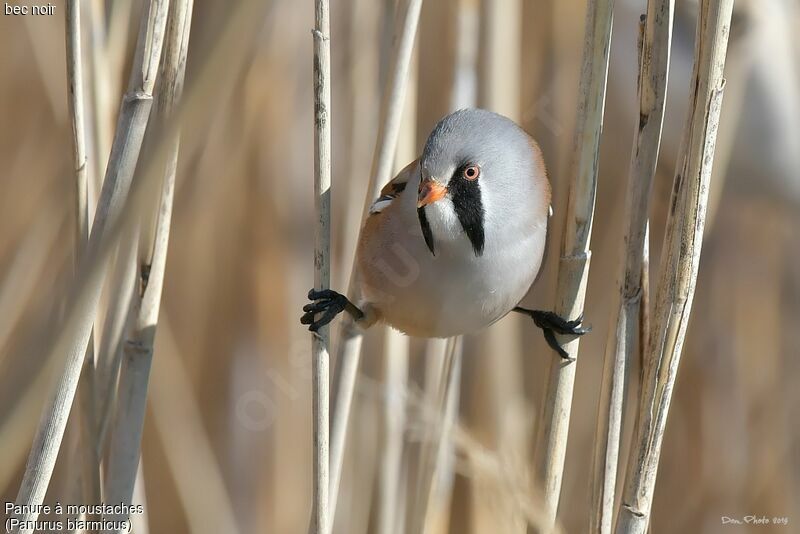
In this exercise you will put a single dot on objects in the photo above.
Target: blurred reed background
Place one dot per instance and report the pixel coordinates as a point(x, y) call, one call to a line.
point(227, 437)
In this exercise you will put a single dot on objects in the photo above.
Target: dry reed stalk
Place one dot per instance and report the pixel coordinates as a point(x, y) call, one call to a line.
point(140, 523)
point(123, 279)
point(363, 26)
point(439, 413)
point(396, 354)
point(573, 269)
point(442, 476)
point(349, 345)
point(117, 25)
point(439, 37)
point(72, 333)
point(473, 458)
point(321, 517)
point(679, 264)
point(100, 98)
point(654, 57)
point(484, 465)
point(108, 46)
point(89, 437)
point(362, 467)
point(124, 155)
point(738, 70)
point(90, 459)
point(425, 418)
point(499, 57)
point(138, 350)
point(77, 116)
point(538, 76)
point(221, 64)
point(644, 305)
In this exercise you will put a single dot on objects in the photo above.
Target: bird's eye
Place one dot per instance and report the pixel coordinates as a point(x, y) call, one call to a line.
point(471, 172)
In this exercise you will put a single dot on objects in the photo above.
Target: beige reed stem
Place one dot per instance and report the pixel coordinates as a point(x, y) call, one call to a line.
point(138, 350)
point(653, 73)
point(348, 349)
point(679, 264)
point(90, 460)
point(221, 64)
point(321, 517)
point(124, 155)
point(573, 270)
point(396, 353)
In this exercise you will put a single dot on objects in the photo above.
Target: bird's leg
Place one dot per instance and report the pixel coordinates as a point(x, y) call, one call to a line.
point(551, 324)
point(330, 304)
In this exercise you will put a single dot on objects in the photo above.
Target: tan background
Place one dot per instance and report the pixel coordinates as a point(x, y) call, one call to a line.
point(227, 438)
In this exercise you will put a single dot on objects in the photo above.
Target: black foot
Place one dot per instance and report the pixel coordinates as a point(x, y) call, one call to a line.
point(552, 324)
point(330, 304)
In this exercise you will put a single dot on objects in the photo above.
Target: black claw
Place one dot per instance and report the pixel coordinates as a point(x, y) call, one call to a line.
point(330, 304)
point(326, 318)
point(551, 324)
point(559, 325)
point(553, 342)
point(313, 294)
point(315, 307)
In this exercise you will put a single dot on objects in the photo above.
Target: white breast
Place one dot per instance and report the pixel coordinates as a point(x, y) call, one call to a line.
point(454, 291)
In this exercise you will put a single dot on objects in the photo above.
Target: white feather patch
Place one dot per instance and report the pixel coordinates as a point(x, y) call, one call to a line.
point(380, 204)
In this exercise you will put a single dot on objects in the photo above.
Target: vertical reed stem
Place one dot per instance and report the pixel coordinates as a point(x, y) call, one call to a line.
point(77, 116)
point(396, 356)
point(435, 463)
point(349, 346)
point(679, 265)
point(573, 269)
point(100, 94)
point(88, 430)
point(320, 358)
point(652, 83)
point(116, 186)
point(138, 349)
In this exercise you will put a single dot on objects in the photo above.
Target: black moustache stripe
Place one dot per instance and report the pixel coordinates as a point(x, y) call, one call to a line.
point(466, 196)
point(426, 229)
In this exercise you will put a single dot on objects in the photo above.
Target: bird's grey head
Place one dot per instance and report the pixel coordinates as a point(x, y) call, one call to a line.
point(477, 170)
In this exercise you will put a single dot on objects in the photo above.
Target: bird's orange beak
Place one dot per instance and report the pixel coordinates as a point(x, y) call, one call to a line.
point(430, 191)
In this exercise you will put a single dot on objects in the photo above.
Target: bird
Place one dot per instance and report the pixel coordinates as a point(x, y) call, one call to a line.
point(455, 241)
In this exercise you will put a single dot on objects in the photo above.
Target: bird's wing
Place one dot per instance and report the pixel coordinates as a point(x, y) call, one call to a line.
point(393, 189)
